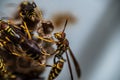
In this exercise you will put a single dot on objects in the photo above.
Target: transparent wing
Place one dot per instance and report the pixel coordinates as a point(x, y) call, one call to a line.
point(77, 67)
point(69, 65)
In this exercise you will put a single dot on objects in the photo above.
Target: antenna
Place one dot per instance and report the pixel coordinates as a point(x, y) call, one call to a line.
point(65, 25)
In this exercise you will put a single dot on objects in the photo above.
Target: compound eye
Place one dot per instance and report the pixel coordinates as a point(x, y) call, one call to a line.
point(58, 35)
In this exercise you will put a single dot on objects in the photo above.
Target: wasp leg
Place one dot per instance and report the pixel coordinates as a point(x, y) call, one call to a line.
point(44, 39)
point(27, 31)
point(49, 65)
point(44, 52)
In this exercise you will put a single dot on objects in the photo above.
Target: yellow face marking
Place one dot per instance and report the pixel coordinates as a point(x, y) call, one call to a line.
point(57, 35)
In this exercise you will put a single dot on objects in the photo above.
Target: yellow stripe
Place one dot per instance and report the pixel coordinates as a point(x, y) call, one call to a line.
point(16, 54)
point(51, 78)
point(56, 71)
point(11, 34)
point(1, 45)
point(9, 30)
point(6, 27)
point(16, 27)
point(1, 64)
point(7, 38)
point(30, 55)
point(53, 74)
point(21, 14)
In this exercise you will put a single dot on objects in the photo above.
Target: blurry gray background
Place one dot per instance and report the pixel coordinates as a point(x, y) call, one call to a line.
point(94, 39)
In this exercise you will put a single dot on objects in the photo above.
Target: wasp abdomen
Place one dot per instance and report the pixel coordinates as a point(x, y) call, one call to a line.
point(2, 66)
point(56, 69)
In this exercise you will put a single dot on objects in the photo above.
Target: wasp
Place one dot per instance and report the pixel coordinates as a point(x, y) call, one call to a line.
point(28, 14)
point(15, 37)
point(33, 24)
point(4, 73)
point(26, 55)
point(32, 16)
point(62, 47)
point(13, 66)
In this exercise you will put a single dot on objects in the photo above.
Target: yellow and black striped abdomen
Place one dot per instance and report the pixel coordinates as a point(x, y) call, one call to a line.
point(4, 73)
point(56, 69)
point(2, 66)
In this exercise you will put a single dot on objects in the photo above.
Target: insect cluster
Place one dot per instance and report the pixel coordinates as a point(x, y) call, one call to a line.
point(26, 46)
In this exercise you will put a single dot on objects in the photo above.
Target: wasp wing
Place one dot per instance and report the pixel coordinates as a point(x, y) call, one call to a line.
point(69, 65)
point(77, 67)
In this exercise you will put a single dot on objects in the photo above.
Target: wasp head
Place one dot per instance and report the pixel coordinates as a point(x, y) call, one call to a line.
point(3, 24)
point(60, 35)
point(27, 9)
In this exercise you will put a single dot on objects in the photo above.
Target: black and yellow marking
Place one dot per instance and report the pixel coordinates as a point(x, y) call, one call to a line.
point(4, 72)
point(1, 45)
point(10, 31)
point(56, 69)
point(2, 66)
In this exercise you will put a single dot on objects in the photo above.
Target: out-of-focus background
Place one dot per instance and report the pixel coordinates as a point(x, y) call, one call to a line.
point(94, 38)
